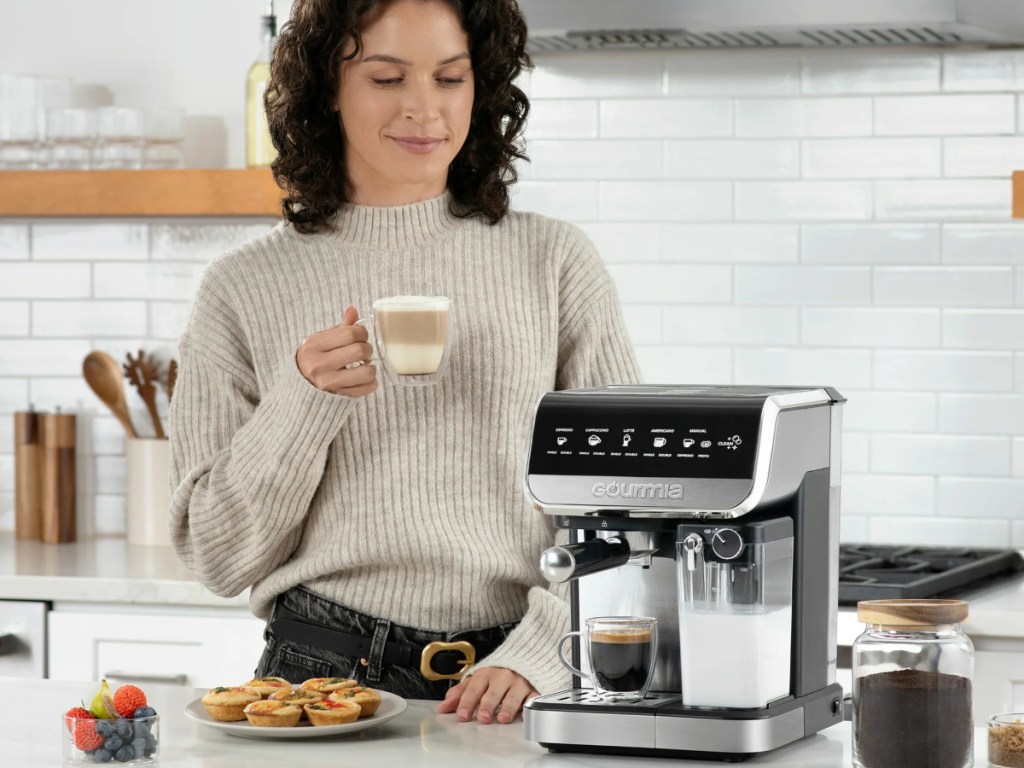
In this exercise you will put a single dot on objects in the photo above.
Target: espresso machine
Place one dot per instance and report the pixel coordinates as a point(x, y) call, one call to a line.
point(716, 511)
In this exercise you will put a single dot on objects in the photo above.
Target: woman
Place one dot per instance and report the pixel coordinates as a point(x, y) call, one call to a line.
point(369, 519)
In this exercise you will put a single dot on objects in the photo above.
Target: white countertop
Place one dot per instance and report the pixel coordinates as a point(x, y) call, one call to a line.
point(30, 737)
point(104, 570)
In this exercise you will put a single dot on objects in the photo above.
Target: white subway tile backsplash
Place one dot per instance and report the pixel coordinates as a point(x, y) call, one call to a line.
point(202, 240)
point(69, 393)
point(41, 357)
point(945, 455)
point(943, 371)
point(944, 115)
point(856, 452)
point(732, 73)
point(939, 532)
point(26, 280)
point(14, 317)
point(644, 324)
point(982, 156)
point(981, 71)
point(842, 369)
point(870, 327)
point(76, 319)
point(665, 118)
point(13, 395)
point(88, 241)
point(685, 365)
point(969, 497)
point(871, 158)
point(151, 280)
point(803, 200)
point(801, 285)
point(730, 325)
point(626, 243)
point(167, 319)
point(888, 495)
point(944, 286)
point(563, 119)
point(732, 243)
point(665, 200)
point(108, 515)
point(14, 241)
point(888, 411)
point(942, 199)
point(784, 118)
point(1018, 372)
point(853, 528)
point(597, 75)
point(101, 434)
point(595, 159)
point(870, 243)
point(109, 474)
point(1017, 540)
point(572, 200)
point(986, 414)
point(732, 159)
point(983, 329)
point(1018, 457)
point(672, 284)
point(6, 473)
point(6, 435)
point(870, 72)
point(983, 244)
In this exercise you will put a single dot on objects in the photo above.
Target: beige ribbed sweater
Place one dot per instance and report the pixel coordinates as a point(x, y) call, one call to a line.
point(407, 504)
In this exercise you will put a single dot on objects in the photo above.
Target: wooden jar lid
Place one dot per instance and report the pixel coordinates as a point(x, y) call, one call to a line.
point(912, 613)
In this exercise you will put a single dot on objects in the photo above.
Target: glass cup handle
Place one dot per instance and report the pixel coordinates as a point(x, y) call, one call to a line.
point(561, 654)
point(371, 330)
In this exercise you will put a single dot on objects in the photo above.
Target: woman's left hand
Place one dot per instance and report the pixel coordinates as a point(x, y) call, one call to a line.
point(493, 693)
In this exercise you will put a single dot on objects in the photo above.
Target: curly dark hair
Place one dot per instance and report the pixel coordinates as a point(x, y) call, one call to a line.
point(304, 74)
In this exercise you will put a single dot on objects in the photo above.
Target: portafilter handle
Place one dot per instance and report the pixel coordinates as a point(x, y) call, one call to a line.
point(560, 564)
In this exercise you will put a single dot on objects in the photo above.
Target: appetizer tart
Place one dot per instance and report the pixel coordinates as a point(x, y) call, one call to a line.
point(329, 712)
point(367, 699)
point(326, 685)
point(265, 686)
point(272, 714)
point(227, 703)
point(299, 697)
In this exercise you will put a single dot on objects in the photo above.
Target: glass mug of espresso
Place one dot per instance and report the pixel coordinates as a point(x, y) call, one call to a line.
point(621, 651)
point(412, 337)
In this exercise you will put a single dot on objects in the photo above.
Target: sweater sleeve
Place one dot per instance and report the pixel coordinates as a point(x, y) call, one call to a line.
point(245, 464)
point(593, 349)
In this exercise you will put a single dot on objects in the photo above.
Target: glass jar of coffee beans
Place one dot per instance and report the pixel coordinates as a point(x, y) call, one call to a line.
point(912, 672)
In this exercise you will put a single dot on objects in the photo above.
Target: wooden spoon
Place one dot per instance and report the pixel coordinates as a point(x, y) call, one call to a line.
point(141, 372)
point(103, 376)
point(172, 378)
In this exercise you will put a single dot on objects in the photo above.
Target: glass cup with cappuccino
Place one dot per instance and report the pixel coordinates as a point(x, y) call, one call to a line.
point(620, 652)
point(412, 336)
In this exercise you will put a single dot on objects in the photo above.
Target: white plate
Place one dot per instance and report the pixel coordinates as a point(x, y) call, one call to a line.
point(391, 706)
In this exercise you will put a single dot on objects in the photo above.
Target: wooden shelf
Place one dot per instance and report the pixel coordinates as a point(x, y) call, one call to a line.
point(192, 192)
point(1018, 194)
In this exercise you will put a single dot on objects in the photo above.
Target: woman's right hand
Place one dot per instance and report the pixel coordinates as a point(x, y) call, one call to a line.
point(324, 357)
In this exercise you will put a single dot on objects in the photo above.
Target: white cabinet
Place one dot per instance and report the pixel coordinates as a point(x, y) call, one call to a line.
point(998, 680)
point(145, 643)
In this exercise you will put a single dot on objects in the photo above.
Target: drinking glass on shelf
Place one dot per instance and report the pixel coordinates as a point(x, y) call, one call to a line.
point(165, 131)
point(119, 138)
point(51, 92)
point(19, 129)
point(70, 136)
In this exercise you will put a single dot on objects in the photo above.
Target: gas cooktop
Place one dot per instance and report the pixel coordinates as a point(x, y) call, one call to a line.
point(880, 572)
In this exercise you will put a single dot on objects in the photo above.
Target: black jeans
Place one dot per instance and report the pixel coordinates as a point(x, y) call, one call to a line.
point(297, 662)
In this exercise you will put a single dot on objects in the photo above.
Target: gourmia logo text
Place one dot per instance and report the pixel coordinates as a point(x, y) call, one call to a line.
point(638, 490)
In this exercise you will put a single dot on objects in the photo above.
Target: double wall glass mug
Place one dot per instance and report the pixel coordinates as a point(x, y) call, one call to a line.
point(620, 651)
point(412, 337)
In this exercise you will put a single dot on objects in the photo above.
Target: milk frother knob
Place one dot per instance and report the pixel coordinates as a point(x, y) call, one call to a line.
point(692, 544)
point(726, 543)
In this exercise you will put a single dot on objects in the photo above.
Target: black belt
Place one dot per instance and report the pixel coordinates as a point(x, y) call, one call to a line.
point(436, 661)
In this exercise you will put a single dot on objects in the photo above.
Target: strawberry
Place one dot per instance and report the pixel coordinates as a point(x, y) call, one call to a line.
point(127, 699)
point(82, 724)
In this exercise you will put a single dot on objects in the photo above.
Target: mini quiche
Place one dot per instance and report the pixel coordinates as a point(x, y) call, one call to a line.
point(227, 703)
point(265, 686)
point(329, 712)
point(326, 685)
point(272, 714)
point(367, 699)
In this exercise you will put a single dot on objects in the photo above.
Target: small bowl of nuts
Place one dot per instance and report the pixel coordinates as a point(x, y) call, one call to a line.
point(1006, 740)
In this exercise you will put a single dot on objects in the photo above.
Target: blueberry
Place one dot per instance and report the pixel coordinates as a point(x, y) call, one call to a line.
point(141, 728)
point(102, 755)
point(144, 712)
point(124, 729)
point(139, 745)
point(150, 745)
point(104, 728)
point(113, 743)
point(124, 754)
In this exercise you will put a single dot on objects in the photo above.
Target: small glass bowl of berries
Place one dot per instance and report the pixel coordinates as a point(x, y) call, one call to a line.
point(125, 732)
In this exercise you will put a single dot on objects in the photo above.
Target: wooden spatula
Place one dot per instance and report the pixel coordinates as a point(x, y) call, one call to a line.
point(141, 372)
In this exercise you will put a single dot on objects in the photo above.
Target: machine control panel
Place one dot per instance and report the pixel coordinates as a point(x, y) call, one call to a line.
point(646, 437)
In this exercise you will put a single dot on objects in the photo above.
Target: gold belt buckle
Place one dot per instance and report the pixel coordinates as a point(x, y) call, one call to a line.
point(432, 649)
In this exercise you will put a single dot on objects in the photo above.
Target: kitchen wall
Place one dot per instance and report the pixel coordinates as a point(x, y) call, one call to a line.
point(769, 218)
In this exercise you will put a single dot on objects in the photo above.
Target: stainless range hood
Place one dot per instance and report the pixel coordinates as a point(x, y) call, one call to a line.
point(559, 25)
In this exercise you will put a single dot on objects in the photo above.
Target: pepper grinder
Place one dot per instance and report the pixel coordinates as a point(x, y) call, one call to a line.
point(27, 475)
point(58, 477)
